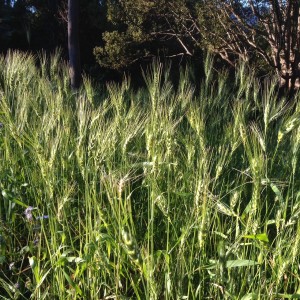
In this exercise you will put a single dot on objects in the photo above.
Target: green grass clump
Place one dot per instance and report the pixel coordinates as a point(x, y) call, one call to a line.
point(159, 193)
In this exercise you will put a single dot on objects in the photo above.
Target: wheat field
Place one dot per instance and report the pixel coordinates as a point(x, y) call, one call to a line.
point(162, 192)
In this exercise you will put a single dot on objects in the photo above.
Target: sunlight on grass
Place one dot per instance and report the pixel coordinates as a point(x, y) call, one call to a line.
point(158, 193)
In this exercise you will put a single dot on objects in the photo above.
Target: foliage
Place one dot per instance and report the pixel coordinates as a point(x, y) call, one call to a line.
point(129, 18)
point(140, 30)
point(263, 33)
point(178, 28)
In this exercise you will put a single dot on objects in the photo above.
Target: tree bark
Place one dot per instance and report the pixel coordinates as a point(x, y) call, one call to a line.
point(73, 43)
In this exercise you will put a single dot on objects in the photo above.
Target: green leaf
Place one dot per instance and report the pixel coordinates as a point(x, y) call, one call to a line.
point(35, 268)
point(8, 288)
point(42, 279)
point(9, 196)
point(263, 237)
point(246, 210)
point(251, 296)
point(19, 202)
point(276, 191)
point(72, 283)
point(240, 263)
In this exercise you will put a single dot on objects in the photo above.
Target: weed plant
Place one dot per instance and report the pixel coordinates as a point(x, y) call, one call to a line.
point(110, 193)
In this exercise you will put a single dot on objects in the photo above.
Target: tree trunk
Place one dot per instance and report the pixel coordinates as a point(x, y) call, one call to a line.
point(73, 43)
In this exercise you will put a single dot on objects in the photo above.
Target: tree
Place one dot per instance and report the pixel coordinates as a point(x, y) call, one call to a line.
point(270, 29)
point(137, 30)
point(73, 43)
point(244, 29)
point(234, 29)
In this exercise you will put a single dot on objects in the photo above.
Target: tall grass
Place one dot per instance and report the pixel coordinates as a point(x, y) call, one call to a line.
point(160, 193)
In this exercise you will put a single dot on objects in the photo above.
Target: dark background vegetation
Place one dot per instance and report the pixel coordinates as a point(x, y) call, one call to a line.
point(118, 37)
point(35, 26)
